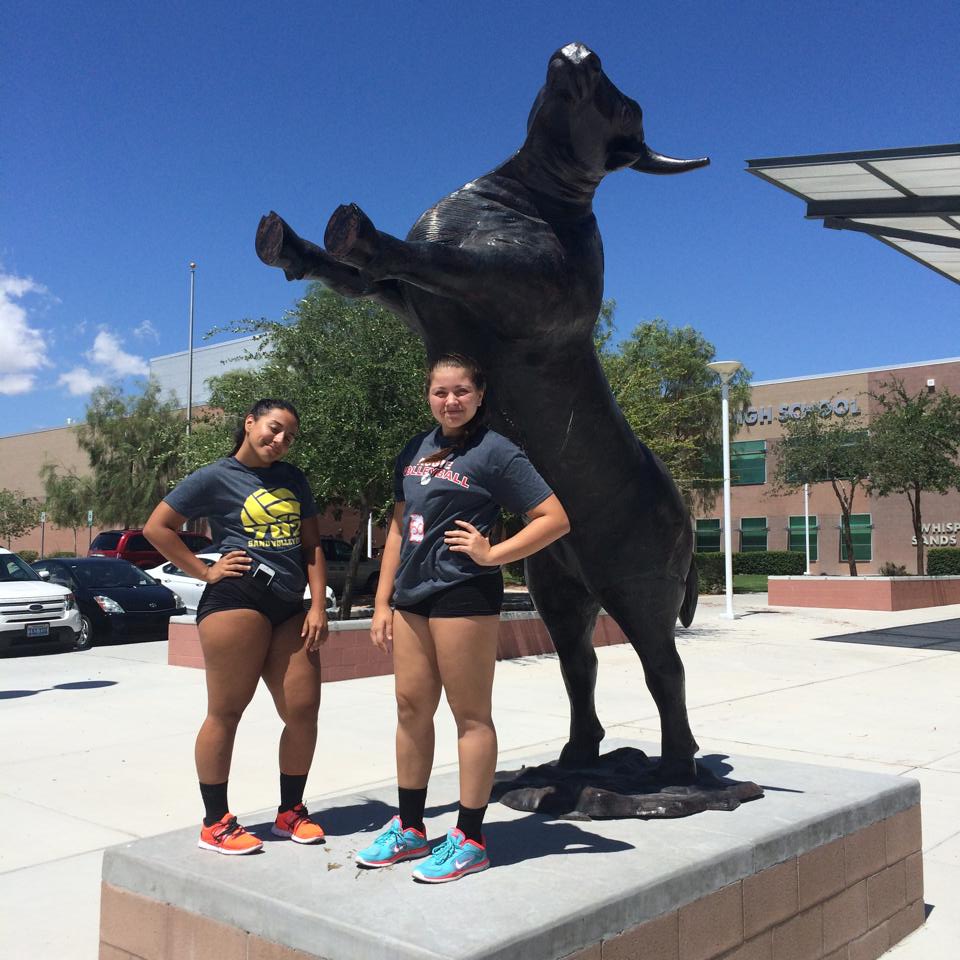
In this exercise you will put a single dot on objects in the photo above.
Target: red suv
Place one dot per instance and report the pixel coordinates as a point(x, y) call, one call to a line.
point(132, 545)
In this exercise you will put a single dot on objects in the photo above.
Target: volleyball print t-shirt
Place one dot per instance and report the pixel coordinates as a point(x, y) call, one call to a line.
point(472, 483)
point(257, 510)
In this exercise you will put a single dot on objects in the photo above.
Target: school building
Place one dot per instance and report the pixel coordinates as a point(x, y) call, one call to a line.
point(881, 527)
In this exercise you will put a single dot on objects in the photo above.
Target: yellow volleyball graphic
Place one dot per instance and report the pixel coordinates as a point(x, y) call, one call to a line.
point(271, 514)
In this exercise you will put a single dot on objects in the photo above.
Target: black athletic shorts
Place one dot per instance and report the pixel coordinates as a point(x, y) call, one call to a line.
point(477, 597)
point(241, 593)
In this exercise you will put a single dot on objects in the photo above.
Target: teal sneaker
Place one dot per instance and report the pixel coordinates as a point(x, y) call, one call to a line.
point(454, 858)
point(393, 845)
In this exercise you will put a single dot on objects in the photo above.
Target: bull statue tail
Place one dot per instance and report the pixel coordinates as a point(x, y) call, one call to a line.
point(689, 606)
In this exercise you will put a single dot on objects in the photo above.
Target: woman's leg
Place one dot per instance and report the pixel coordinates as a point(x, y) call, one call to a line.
point(292, 675)
point(417, 684)
point(466, 651)
point(234, 644)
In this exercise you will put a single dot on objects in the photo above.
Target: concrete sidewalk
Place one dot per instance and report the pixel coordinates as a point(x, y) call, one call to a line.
point(97, 747)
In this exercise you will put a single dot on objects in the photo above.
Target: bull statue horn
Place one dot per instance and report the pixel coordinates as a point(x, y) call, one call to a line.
point(652, 162)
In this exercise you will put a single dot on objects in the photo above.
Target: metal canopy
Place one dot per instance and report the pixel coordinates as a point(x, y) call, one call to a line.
point(908, 197)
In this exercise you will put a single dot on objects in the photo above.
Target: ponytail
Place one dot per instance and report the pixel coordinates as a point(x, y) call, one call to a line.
point(478, 420)
point(258, 410)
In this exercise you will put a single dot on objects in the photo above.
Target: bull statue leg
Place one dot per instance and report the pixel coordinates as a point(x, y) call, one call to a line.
point(646, 611)
point(569, 613)
point(278, 245)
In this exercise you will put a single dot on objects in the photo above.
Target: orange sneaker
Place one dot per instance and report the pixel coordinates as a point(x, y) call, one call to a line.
point(297, 825)
point(227, 836)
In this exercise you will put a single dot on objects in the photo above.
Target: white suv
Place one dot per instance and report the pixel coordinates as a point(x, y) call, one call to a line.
point(32, 611)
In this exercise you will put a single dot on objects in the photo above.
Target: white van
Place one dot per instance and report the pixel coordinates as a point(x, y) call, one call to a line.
point(32, 611)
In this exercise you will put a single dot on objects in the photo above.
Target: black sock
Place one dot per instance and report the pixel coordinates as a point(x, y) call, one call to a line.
point(292, 786)
point(215, 801)
point(412, 804)
point(470, 822)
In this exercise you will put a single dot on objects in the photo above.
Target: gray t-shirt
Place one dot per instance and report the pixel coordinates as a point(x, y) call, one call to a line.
point(471, 484)
point(255, 509)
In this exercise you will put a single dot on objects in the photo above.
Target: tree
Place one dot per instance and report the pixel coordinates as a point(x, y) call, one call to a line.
point(18, 514)
point(355, 374)
point(67, 498)
point(816, 450)
point(916, 448)
point(134, 445)
point(671, 400)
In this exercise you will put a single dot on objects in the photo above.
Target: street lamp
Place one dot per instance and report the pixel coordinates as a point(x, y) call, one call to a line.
point(726, 369)
point(193, 268)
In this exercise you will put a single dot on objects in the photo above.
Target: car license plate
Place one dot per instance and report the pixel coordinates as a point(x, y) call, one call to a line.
point(38, 629)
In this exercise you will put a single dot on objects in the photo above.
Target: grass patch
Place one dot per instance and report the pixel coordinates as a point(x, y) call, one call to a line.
point(749, 583)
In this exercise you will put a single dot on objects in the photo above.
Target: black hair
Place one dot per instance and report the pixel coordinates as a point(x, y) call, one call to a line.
point(259, 409)
point(475, 373)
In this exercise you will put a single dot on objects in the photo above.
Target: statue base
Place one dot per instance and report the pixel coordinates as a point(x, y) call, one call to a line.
point(623, 783)
point(831, 857)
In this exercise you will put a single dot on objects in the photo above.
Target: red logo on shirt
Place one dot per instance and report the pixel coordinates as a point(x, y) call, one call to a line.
point(416, 528)
point(440, 471)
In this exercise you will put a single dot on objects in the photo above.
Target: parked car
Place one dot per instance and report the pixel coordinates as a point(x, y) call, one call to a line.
point(116, 599)
point(32, 612)
point(133, 546)
point(337, 554)
point(190, 588)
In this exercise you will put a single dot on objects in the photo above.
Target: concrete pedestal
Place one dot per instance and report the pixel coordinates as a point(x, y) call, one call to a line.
point(826, 865)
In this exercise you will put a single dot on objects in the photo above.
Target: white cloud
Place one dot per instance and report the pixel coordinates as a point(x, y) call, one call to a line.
point(146, 330)
point(80, 381)
point(22, 347)
point(107, 353)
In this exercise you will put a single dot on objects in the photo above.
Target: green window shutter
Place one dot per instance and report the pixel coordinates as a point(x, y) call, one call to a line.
point(861, 532)
point(748, 462)
point(753, 534)
point(797, 542)
point(708, 536)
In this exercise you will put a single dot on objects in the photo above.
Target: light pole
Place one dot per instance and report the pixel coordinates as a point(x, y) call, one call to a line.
point(725, 369)
point(193, 268)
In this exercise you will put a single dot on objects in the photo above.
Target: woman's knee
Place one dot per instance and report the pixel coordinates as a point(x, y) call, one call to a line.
point(416, 706)
point(227, 718)
point(474, 724)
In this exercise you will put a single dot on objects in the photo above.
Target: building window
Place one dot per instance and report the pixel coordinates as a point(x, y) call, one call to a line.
point(861, 532)
point(708, 536)
point(753, 534)
point(796, 541)
point(748, 462)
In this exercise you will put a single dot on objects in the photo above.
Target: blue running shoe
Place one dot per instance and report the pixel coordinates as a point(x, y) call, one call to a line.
point(454, 858)
point(393, 845)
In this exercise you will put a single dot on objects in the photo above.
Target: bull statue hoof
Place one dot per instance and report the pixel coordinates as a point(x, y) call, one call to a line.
point(577, 754)
point(351, 236)
point(679, 771)
point(278, 246)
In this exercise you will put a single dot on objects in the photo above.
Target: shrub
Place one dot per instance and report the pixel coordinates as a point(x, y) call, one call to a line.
point(60, 553)
point(28, 555)
point(891, 569)
point(710, 573)
point(772, 563)
point(943, 562)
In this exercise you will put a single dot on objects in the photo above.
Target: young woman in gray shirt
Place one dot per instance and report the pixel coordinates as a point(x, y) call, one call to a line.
point(438, 606)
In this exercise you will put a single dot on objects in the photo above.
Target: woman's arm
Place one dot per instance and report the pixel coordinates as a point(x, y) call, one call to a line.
point(161, 530)
point(548, 522)
point(381, 627)
point(315, 628)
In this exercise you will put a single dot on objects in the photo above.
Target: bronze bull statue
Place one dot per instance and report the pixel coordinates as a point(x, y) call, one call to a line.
point(509, 269)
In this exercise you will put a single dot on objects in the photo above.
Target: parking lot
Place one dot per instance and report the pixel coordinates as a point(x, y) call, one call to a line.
point(98, 745)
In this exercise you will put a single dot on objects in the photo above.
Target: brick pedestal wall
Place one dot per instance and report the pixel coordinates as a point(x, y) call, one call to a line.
point(850, 899)
point(349, 653)
point(863, 593)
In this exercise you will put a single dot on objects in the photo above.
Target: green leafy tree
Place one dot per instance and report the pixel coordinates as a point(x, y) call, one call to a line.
point(817, 450)
point(67, 498)
point(355, 374)
point(916, 448)
point(134, 444)
point(671, 399)
point(19, 514)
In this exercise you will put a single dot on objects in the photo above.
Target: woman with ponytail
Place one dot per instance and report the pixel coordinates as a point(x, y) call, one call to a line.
point(438, 608)
point(251, 617)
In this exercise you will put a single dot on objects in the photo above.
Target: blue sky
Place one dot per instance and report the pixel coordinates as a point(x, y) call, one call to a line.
point(138, 137)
